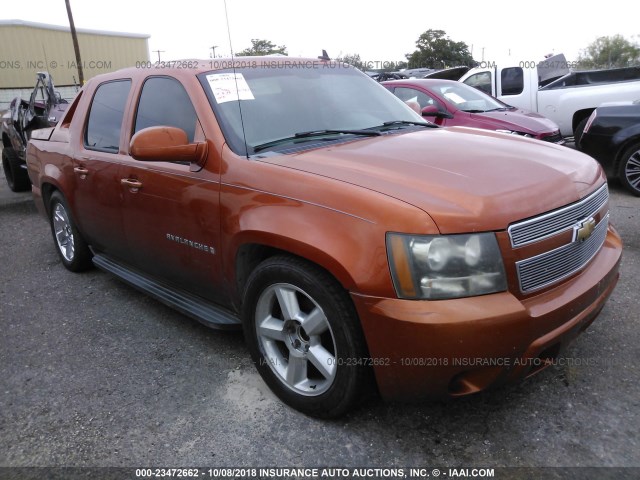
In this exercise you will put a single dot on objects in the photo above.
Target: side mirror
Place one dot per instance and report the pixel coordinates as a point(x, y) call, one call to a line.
point(166, 144)
point(432, 111)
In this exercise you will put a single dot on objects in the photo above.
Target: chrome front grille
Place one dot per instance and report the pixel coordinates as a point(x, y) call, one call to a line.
point(549, 267)
point(552, 223)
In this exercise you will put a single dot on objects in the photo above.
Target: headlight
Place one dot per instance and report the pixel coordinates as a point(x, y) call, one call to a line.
point(437, 267)
point(514, 133)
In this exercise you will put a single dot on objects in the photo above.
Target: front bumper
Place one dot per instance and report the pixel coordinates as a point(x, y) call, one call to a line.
point(440, 349)
point(556, 138)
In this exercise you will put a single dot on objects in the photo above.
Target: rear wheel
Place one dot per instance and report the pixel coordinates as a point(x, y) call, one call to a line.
point(17, 177)
point(304, 336)
point(72, 248)
point(629, 171)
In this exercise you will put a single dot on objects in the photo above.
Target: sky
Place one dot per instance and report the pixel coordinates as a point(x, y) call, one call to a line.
point(377, 31)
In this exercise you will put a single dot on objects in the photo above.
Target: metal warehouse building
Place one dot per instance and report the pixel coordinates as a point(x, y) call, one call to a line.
point(28, 47)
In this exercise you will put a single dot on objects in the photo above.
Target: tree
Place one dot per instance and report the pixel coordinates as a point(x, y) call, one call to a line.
point(262, 47)
point(436, 50)
point(610, 52)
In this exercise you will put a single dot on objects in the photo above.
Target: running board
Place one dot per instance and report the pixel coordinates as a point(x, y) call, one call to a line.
point(191, 305)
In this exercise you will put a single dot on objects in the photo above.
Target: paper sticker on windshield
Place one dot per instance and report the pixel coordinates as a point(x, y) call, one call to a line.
point(228, 87)
point(454, 97)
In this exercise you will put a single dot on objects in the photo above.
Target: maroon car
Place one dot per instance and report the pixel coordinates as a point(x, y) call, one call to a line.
point(453, 103)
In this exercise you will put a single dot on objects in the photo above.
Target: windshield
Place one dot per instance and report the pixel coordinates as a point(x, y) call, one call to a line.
point(282, 101)
point(467, 98)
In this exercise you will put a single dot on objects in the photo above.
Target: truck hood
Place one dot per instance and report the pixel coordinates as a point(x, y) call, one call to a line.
point(465, 179)
point(518, 120)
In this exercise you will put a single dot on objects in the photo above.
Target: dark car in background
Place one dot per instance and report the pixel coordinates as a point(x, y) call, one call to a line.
point(612, 136)
point(452, 103)
point(44, 108)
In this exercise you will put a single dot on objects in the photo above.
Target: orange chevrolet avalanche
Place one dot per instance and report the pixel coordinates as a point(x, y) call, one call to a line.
point(356, 245)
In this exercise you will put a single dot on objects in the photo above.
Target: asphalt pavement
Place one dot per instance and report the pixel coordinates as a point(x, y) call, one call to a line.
point(94, 373)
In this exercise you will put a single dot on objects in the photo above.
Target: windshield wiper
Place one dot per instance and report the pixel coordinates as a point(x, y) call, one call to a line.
point(500, 109)
point(313, 134)
point(475, 111)
point(401, 123)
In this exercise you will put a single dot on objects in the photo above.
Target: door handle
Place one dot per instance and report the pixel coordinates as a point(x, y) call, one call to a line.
point(83, 172)
point(132, 183)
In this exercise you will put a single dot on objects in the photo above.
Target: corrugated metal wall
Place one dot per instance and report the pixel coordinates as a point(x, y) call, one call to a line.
point(27, 49)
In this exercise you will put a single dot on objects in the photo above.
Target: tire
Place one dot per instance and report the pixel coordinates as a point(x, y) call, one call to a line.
point(629, 170)
point(17, 177)
point(294, 310)
point(579, 131)
point(71, 247)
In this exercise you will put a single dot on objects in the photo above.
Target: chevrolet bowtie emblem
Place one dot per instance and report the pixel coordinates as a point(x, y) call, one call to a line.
point(583, 230)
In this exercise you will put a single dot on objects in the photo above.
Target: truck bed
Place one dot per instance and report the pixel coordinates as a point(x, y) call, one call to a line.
point(595, 77)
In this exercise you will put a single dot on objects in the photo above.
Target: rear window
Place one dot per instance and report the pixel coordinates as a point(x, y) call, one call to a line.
point(105, 116)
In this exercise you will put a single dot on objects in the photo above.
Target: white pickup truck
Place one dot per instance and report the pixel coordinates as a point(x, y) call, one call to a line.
point(551, 89)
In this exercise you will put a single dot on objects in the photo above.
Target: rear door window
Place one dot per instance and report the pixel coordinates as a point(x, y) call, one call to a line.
point(105, 116)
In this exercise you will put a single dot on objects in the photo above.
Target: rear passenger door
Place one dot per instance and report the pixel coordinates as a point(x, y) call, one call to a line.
point(170, 212)
point(96, 166)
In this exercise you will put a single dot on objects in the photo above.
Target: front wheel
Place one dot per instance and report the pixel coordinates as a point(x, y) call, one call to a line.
point(304, 337)
point(629, 172)
point(577, 134)
point(72, 248)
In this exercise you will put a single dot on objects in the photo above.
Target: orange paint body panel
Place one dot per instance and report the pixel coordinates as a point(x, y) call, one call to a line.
point(333, 204)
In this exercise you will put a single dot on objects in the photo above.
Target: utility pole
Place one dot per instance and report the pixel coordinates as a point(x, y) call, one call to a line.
point(214, 51)
point(158, 52)
point(76, 47)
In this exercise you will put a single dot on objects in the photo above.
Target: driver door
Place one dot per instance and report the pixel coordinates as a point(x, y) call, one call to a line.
point(170, 209)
